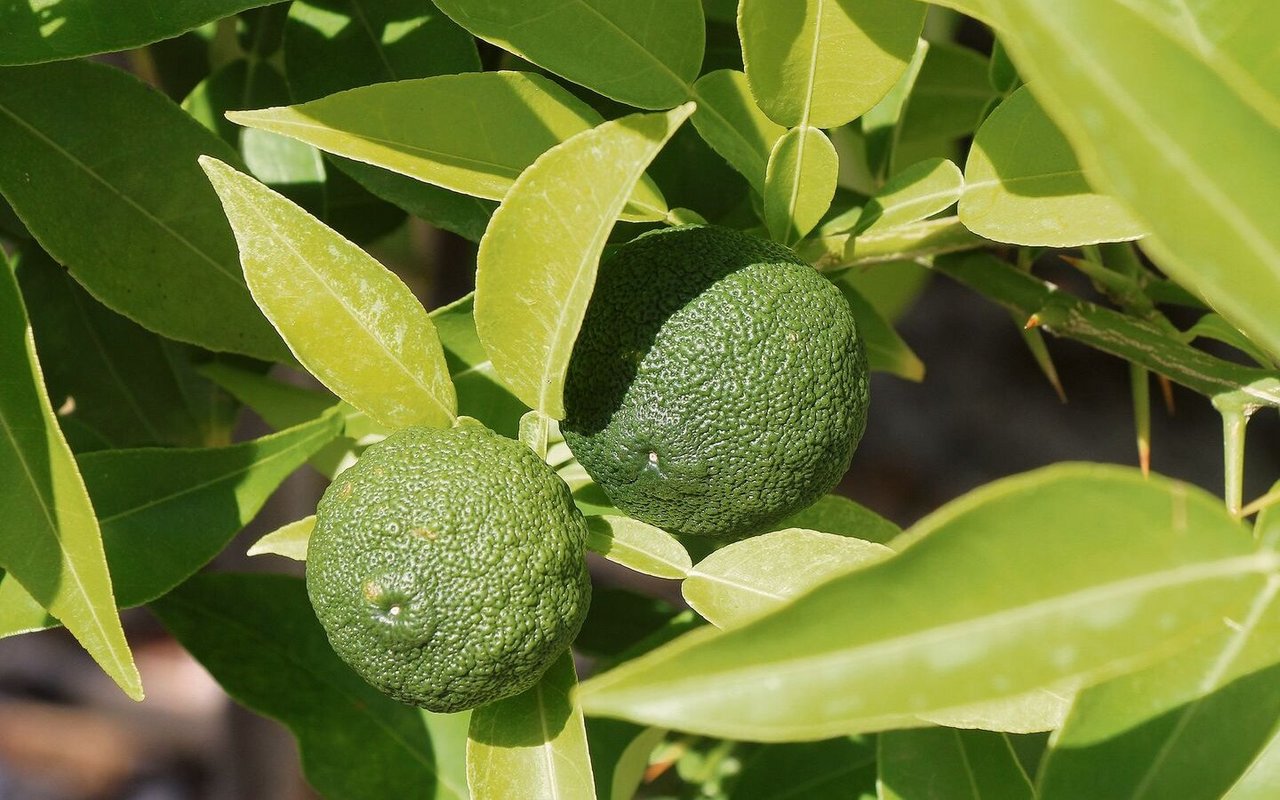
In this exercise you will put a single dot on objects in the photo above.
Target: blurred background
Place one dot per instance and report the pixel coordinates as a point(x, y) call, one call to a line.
point(984, 411)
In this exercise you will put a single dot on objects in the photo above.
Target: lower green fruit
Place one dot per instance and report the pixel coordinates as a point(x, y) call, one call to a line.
point(447, 567)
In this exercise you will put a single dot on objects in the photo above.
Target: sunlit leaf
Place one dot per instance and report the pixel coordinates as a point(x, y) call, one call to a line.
point(1023, 184)
point(799, 183)
point(638, 545)
point(538, 259)
point(50, 542)
point(916, 634)
point(729, 120)
point(289, 540)
point(835, 514)
point(533, 744)
point(750, 578)
point(915, 193)
point(348, 319)
point(821, 64)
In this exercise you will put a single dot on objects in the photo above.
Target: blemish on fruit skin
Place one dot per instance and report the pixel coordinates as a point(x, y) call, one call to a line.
point(372, 591)
point(425, 533)
point(346, 490)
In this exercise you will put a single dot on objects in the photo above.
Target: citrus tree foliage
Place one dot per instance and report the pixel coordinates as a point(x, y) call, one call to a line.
point(177, 240)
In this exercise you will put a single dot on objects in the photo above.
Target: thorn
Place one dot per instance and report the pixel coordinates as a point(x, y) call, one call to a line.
point(1166, 391)
point(1033, 321)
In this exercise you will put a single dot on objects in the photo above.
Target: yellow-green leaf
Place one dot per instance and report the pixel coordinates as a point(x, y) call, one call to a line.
point(289, 540)
point(537, 262)
point(638, 545)
point(348, 319)
point(799, 183)
point(730, 121)
point(50, 542)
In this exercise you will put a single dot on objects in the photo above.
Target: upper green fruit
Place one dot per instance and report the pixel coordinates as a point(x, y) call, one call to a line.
point(718, 383)
point(447, 567)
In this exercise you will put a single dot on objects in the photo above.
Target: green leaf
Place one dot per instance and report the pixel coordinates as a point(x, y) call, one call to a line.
point(1172, 743)
point(1023, 184)
point(50, 542)
point(31, 32)
point(1259, 781)
point(472, 133)
point(750, 578)
point(1118, 80)
point(799, 183)
point(638, 546)
point(537, 262)
point(333, 45)
point(165, 512)
point(1066, 603)
point(127, 385)
point(533, 744)
point(641, 54)
point(834, 769)
point(132, 217)
point(947, 764)
point(822, 63)
point(449, 745)
point(729, 120)
point(289, 540)
point(259, 638)
point(1037, 711)
point(915, 193)
point(840, 515)
point(946, 103)
point(1213, 326)
point(620, 755)
point(480, 394)
point(881, 124)
point(348, 319)
point(886, 350)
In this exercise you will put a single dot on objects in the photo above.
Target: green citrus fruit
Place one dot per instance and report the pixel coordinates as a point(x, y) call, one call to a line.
point(447, 566)
point(718, 383)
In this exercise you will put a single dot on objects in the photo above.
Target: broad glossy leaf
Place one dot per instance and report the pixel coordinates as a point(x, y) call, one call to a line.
point(946, 103)
point(472, 133)
point(1023, 184)
point(749, 578)
point(949, 764)
point(348, 319)
point(480, 394)
point(917, 192)
point(449, 745)
point(886, 350)
point(1172, 743)
point(31, 32)
point(729, 120)
point(840, 515)
point(165, 512)
point(126, 209)
point(259, 638)
point(333, 45)
point(289, 540)
point(645, 54)
point(1037, 711)
point(638, 545)
point(824, 62)
point(50, 542)
point(533, 744)
point(126, 385)
point(537, 262)
point(1058, 601)
point(799, 183)
point(1118, 80)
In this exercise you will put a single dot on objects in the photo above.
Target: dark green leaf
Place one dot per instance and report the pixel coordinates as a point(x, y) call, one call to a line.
point(127, 209)
point(258, 637)
point(886, 350)
point(949, 764)
point(50, 541)
point(636, 53)
point(619, 756)
point(480, 394)
point(834, 769)
point(166, 512)
point(124, 383)
point(31, 32)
